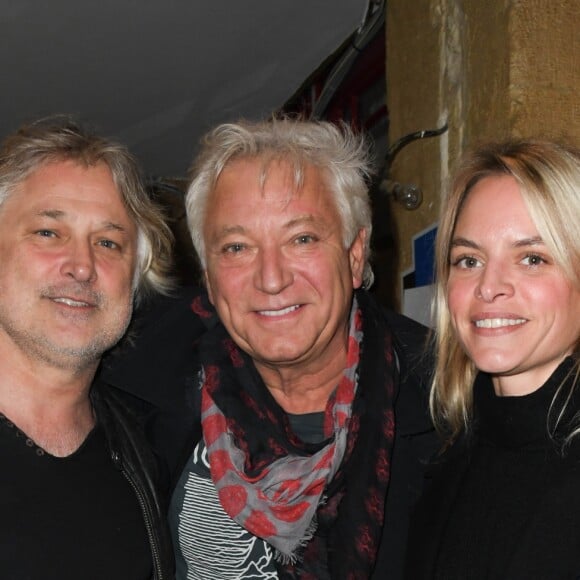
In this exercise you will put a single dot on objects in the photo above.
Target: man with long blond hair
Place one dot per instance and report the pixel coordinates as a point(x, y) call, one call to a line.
point(80, 243)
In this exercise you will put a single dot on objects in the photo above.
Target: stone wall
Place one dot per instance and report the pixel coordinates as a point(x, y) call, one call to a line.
point(490, 69)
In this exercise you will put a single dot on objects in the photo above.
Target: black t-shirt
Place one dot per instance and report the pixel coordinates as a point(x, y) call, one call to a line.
point(308, 426)
point(67, 518)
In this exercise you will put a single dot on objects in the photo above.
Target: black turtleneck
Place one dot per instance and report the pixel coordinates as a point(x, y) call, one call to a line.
point(512, 507)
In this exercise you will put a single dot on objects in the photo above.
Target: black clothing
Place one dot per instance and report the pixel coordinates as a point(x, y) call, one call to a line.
point(208, 542)
point(309, 426)
point(94, 514)
point(169, 332)
point(65, 518)
point(131, 454)
point(159, 366)
point(503, 503)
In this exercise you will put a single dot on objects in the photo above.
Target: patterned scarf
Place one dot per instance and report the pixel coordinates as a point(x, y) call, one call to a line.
point(293, 494)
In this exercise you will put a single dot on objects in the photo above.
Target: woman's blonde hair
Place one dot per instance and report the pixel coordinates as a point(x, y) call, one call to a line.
point(548, 175)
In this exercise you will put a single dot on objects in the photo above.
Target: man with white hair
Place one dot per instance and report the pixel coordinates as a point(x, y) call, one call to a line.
point(299, 425)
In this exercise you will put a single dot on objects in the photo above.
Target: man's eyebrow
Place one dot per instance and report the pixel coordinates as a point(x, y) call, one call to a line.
point(227, 230)
point(52, 213)
point(59, 214)
point(304, 219)
point(239, 229)
point(114, 226)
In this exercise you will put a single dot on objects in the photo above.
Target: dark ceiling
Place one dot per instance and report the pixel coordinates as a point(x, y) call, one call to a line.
point(157, 74)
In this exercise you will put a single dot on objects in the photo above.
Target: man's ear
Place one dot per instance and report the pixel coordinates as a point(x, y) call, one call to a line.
point(356, 255)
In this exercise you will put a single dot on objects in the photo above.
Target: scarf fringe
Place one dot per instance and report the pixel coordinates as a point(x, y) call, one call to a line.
point(295, 556)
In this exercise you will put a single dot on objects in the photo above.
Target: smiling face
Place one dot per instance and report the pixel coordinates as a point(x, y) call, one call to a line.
point(516, 314)
point(67, 248)
point(277, 270)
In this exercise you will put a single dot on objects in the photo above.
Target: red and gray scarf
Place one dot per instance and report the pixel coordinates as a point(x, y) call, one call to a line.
point(294, 494)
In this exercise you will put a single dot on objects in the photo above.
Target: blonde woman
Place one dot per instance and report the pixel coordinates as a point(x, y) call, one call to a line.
point(504, 500)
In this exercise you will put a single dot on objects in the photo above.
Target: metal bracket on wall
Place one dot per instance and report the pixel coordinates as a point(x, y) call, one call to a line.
point(408, 194)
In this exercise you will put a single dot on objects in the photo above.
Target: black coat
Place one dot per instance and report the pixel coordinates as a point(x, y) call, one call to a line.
point(132, 456)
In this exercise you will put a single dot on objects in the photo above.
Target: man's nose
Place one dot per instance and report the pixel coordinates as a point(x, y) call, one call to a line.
point(79, 262)
point(273, 273)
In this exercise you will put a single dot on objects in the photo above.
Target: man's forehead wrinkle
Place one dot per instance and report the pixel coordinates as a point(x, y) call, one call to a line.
point(59, 214)
point(52, 213)
point(108, 225)
point(226, 230)
point(294, 169)
point(307, 218)
point(319, 224)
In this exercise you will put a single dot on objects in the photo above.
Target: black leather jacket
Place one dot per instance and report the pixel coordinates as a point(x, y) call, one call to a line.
point(133, 457)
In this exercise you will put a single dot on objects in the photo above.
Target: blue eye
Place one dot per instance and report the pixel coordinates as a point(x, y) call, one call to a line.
point(305, 239)
point(233, 248)
point(466, 262)
point(110, 244)
point(46, 233)
point(533, 260)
